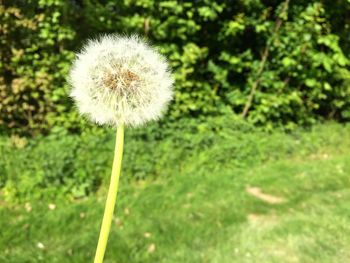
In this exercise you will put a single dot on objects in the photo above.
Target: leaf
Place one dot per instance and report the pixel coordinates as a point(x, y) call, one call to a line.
point(310, 83)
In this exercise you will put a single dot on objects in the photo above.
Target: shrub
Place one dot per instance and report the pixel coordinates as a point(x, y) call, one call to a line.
point(276, 63)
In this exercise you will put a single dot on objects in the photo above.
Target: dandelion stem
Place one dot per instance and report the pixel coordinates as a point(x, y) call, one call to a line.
point(111, 197)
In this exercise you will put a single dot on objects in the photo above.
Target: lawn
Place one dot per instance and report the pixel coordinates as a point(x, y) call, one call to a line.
point(289, 203)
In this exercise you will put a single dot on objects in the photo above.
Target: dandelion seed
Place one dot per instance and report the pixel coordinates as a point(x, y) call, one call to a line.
point(28, 207)
point(52, 206)
point(40, 245)
point(147, 235)
point(151, 248)
point(126, 211)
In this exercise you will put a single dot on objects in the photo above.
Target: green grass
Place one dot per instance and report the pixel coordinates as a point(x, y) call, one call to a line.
point(205, 210)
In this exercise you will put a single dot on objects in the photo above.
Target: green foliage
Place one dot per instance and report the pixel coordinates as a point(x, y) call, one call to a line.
point(305, 75)
point(216, 50)
point(70, 165)
point(35, 61)
point(63, 165)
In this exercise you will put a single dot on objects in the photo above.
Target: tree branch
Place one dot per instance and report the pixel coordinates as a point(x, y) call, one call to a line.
point(264, 57)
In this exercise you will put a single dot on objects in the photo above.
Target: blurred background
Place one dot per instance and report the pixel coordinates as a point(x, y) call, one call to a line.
point(250, 163)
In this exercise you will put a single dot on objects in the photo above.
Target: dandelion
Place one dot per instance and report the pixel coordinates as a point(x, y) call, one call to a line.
point(119, 81)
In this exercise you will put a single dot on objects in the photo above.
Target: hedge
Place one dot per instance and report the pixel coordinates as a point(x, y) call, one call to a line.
point(274, 63)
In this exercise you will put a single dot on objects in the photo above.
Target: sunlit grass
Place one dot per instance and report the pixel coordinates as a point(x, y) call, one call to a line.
point(294, 208)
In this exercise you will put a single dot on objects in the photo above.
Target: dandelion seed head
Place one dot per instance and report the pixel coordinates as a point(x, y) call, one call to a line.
point(119, 80)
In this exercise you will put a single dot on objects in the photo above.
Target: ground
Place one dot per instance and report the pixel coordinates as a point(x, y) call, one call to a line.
point(295, 208)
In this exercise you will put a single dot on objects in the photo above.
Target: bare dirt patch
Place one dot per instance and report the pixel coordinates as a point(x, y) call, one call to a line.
point(258, 193)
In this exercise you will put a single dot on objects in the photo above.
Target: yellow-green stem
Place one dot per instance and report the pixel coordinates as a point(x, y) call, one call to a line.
point(111, 197)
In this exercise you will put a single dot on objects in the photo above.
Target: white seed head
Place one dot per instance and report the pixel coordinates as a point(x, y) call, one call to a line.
point(120, 80)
